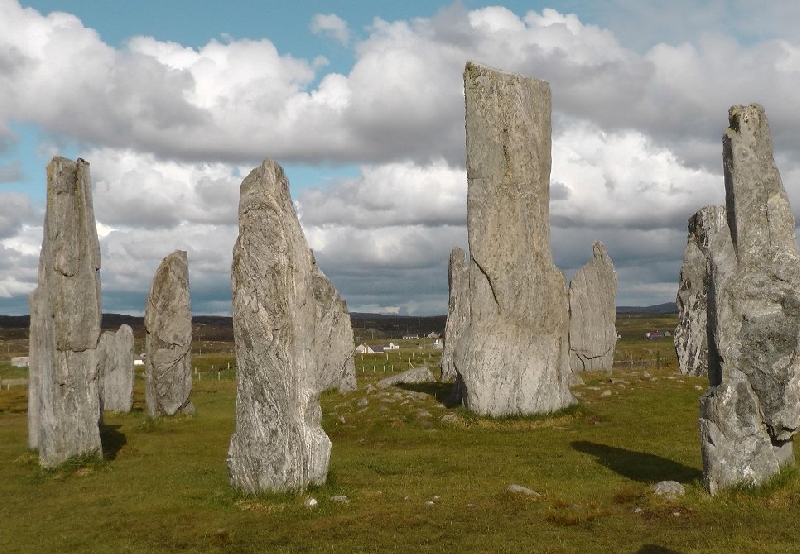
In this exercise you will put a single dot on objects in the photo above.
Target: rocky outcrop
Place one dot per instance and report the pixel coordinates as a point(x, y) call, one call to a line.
point(513, 354)
point(65, 321)
point(115, 369)
point(751, 410)
point(593, 314)
point(691, 333)
point(168, 339)
point(279, 308)
point(333, 335)
point(457, 309)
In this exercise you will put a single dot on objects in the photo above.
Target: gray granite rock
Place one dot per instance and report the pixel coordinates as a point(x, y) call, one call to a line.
point(168, 339)
point(513, 354)
point(751, 410)
point(334, 335)
point(670, 490)
point(457, 309)
point(65, 321)
point(593, 313)
point(278, 444)
point(691, 333)
point(115, 369)
point(413, 375)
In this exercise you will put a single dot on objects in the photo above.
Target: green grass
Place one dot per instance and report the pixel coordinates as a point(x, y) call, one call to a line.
point(415, 481)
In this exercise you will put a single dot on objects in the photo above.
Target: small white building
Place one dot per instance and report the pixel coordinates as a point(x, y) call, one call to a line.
point(392, 346)
point(19, 361)
point(364, 349)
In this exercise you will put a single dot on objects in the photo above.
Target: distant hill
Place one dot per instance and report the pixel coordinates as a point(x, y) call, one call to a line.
point(666, 308)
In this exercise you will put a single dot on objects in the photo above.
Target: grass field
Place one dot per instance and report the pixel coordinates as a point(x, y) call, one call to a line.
point(418, 476)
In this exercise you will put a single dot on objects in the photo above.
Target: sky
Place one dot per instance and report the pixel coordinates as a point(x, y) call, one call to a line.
point(173, 103)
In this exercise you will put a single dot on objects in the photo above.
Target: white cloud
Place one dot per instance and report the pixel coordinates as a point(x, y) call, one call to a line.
point(170, 130)
point(331, 25)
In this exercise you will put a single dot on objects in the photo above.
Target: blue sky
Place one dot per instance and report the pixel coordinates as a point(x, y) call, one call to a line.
point(361, 102)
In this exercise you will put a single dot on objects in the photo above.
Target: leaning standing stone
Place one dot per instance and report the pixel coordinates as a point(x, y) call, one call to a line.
point(691, 333)
point(65, 320)
point(115, 367)
point(168, 339)
point(457, 310)
point(751, 410)
point(278, 444)
point(513, 355)
point(593, 314)
point(333, 335)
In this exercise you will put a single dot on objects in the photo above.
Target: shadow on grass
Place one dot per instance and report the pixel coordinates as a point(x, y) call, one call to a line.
point(655, 549)
point(638, 466)
point(111, 440)
point(439, 391)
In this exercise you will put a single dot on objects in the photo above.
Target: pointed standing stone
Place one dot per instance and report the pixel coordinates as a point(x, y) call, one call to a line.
point(65, 320)
point(279, 306)
point(168, 339)
point(513, 355)
point(334, 335)
point(751, 410)
point(115, 367)
point(593, 313)
point(457, 310)
point(691, 333)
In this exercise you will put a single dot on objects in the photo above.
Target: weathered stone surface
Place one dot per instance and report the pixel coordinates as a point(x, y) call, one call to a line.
point(751, 410)
point(279, 443)
point(691, 333)
point(457, 309)
point(65, 321)
point(334, 335)
point(168, 339)
point(413, 375)
point(513, 354)
point(115, 368)
point(593, 314)
point(35, 351)
point(670, 490)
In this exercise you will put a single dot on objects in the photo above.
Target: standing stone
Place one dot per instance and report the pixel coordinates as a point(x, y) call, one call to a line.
point(513, 355)
point(168, 339)
point(65, 321)
point(751, 410)
point(115, 367)
point(691, 333)
point(593, 314)
point(457, 309)
point(35, 351)
point(334, 335)
point(279, 306)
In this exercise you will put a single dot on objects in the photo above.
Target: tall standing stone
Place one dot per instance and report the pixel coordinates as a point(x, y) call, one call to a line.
point(115, 367)
point(513, 355)
point(691, 333)
point(751, 410)
point(65, 320)
point(168, 339)
point(457, 309)
point(593, 314)
point(280, 305)
point(334, 335)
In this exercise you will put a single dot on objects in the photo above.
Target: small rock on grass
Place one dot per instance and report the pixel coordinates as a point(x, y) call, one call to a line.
point(605, 393)
point(670, 490)
point(310, 503)
point(340, 498)
point(522, 490)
